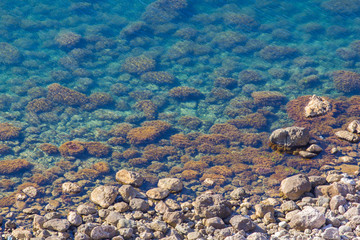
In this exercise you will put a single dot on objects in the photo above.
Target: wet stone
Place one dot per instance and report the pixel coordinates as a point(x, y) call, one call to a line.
point(71, 188)
point(348, 136)
point(314, 148)
point(354, 126)
point(30, 191)
point(290, 137)
point(238, 194)
point(306, 154)
point(127, 192)
point(171, 184)
point(129, 177)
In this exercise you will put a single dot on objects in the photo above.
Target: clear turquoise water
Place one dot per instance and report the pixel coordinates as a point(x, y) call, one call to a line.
point(196, 41)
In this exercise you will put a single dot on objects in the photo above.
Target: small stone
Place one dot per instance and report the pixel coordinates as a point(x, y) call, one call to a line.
point(31, 210)
point(129, 177)
point(171, 184)
point(173, 218)
point(159, 226)
point(262, 209)
point(215, 222)
point(121, 207)
point(314, 148)
point(86, 209)
point(239, 223)
point(348, 136)
point(346, 159)
point(306, 154)
point(74, 218)
point(309, 218)
point(113, 218)
point(128, 192)
point(317, 106)
point(104, 195)
point(331, 233)
point(288, 206)
point(21, 233)
point(238, 194)
point(157, 193)
point(103, 232)
point(334, 150)
point(139, 204)
point(333, 178)
point(71, 188)
point(354, 126)
point(30, 191)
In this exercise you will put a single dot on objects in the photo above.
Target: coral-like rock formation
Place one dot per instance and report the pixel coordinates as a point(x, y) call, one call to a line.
point(8, 132)
point(72, 148)
point(138, 65)
point(317, 106)
point(66, 96)
point(14, 166)
point(185, 93)
point(346, 81)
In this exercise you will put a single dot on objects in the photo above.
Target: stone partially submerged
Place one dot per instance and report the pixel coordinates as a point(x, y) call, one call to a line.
point(290, 137)
point(317, 106)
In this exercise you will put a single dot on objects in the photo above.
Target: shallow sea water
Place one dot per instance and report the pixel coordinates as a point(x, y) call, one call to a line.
point(136, 54)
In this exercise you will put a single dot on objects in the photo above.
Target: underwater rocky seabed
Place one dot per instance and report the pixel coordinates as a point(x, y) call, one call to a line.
point(170, 88)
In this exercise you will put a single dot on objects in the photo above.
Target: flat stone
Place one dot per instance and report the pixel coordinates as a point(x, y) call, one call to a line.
point(157, 193)
point(306, 154)
point(30, 191)
point(103, 232)
point(86, 209)
point(71, 188)
point(58, 225)
point(348, 136)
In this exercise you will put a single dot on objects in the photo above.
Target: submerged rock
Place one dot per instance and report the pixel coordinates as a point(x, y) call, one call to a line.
point(354, 126)
point(290, 136)
point(348, 136)
point(317, 106)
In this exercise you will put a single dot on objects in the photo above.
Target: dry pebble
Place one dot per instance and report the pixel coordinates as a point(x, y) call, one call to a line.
point(315, 207)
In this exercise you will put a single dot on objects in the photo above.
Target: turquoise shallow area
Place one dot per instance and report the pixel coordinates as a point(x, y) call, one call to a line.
point(223, 50)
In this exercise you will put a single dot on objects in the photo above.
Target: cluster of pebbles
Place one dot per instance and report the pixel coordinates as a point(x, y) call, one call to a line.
point(315, 207)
